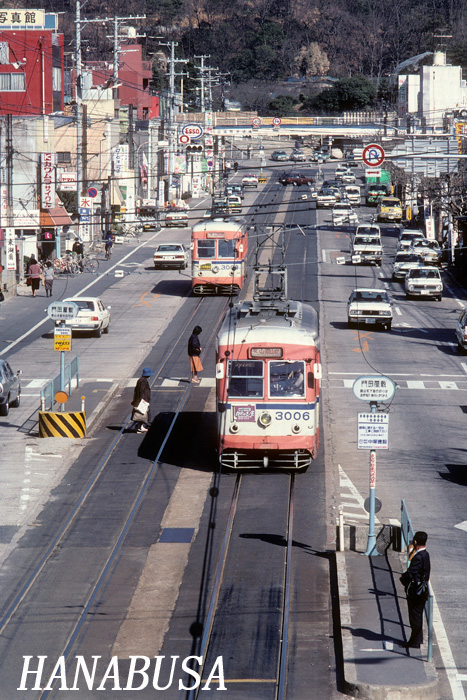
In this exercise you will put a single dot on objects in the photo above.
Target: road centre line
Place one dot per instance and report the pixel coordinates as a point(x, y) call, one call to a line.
point(98, 277)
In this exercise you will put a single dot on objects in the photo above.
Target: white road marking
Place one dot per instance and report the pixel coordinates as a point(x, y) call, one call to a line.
point(448, 385)
point(97, 279)
point(454, 677)
point(464, 367)
point(412, 384)
point(398, 311)
point(462, 526)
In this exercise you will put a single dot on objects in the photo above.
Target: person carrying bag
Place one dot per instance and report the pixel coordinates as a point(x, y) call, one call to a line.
point(140, 415)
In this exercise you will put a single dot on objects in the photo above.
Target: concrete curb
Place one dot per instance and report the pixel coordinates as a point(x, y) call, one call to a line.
point(358, 689)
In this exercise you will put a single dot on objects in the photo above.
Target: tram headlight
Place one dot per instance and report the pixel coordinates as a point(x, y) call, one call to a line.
point(214, 269)
point(265, 419)
point(234, 428)
point(296, 429)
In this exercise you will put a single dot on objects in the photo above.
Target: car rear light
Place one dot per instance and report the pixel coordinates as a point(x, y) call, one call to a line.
point(94, 318)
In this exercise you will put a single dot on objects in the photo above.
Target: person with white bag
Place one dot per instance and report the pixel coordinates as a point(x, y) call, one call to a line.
point(141, 403)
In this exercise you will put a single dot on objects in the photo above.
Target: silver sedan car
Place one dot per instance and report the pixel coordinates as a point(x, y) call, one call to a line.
point(10, 388)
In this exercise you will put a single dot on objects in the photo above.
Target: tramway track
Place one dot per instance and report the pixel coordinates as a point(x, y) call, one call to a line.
point(58, 542)
point(245, 585)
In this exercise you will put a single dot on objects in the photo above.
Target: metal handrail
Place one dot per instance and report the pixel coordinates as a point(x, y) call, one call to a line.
point(407, 535)
point(51, 388)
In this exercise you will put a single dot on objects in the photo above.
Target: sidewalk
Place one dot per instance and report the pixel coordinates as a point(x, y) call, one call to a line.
point(373, 613)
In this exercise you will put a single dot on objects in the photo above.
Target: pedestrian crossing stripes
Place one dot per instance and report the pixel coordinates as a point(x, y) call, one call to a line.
point(411, 384)
point(33, 387)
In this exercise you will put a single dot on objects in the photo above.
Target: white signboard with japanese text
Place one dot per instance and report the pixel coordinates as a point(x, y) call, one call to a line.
point(22, 19)
point(10, 249)
point(47, 180)
point(374, 388)
point(373, 431)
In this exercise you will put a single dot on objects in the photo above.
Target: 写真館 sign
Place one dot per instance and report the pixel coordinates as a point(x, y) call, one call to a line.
point(374, 388)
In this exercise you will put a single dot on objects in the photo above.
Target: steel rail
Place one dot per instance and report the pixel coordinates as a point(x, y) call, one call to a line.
point(282, 677)
point(24, 589)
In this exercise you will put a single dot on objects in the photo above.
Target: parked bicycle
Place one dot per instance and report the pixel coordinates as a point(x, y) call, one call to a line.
point(66, 265)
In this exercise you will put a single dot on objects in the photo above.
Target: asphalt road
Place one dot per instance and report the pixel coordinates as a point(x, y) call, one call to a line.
point(153, 597)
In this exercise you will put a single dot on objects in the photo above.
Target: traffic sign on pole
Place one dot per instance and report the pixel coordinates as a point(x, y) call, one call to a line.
point(373, 155)
point(184, 138)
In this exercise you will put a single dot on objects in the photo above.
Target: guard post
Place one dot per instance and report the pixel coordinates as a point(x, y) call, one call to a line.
point(373, 434)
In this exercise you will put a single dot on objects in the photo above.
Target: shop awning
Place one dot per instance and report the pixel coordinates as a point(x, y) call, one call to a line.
point(58, 216)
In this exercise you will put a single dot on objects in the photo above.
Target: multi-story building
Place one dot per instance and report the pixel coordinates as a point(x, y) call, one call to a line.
point(31, 63)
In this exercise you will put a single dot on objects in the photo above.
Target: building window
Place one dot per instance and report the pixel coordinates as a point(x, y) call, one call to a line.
point(12, 82)
point(4, 53)
point(57, 79)
point(63, 157)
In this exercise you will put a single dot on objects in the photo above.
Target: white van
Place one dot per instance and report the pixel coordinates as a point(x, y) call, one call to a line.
point(353, 194)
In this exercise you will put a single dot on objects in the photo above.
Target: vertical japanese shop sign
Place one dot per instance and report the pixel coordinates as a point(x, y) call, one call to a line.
point(47, 180)
point(10, 248)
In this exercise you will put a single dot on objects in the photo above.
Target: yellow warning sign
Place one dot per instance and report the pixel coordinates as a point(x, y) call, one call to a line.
point(62, 338)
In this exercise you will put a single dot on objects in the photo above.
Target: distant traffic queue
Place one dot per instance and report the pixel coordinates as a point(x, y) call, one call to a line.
point(219, 255)
point(268, 375)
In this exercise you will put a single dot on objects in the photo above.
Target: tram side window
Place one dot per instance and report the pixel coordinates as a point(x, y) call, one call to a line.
point(206, 249)
point(226, 249)
point(246, 378)
point(286, 379)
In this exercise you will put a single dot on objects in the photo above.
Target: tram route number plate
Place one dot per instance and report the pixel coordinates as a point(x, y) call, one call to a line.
point(244, 414)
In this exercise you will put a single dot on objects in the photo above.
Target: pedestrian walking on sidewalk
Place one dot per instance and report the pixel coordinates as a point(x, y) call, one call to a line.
point(415, 581)
point(141, 416)
point(34, 272)
point(49, 275)
point(194, 351)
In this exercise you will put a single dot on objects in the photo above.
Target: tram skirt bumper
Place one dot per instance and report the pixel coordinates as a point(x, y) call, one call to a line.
point(69, 425)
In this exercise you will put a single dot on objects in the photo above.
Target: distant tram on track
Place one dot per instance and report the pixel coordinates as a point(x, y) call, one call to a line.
point(268, 376)
point(219, 255)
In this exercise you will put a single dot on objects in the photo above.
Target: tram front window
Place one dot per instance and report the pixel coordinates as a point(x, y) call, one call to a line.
point(206, 249)
point(226, 249)
point(246, 379)
point(286, 379)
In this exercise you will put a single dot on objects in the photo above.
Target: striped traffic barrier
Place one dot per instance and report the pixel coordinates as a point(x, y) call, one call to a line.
point(70, 425)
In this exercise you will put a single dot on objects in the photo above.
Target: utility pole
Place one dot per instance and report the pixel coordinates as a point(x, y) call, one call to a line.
point(80, 179)
point(202, 70)
point(171, 126)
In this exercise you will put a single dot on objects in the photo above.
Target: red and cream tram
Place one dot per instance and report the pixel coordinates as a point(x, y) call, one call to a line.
point(268, 375)
point(219, 253)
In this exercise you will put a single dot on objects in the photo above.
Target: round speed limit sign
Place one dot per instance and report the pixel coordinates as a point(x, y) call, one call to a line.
point(256, 121)
point(277, 121)
point(193, 131)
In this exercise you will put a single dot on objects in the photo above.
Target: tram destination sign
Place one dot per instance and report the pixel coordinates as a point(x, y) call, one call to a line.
point(374, 388)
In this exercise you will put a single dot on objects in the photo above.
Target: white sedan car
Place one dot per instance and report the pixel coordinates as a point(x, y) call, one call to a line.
point(171, 255)
point(93, 316)
point(369, 306)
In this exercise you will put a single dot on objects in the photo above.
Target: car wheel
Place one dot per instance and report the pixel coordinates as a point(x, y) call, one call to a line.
point(350, 324)
point(388, 326)
point(98, 333)
point(5, 407)
point(107, 328)
point(460, 349)
point(17, 401)
point(440, 298)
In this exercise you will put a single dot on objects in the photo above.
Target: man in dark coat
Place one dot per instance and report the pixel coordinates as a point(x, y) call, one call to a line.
point(142, 392)
point(417, 572)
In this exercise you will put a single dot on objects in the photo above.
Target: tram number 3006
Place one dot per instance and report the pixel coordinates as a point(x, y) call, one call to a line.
point(296, 415)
